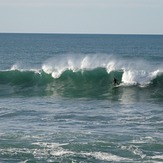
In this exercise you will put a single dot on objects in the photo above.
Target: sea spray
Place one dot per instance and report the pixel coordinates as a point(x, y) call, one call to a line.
point(79, 62)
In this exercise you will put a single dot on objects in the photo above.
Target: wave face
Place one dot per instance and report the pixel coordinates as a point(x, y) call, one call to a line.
point(82, 79)
point(82, 82)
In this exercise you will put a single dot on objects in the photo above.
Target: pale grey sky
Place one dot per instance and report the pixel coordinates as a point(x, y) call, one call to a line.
point(82, 16)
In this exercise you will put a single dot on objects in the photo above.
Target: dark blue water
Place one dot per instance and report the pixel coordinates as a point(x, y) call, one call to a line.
point(58, 102)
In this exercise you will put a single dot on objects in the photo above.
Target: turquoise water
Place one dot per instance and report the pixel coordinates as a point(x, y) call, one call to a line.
point(58, 102)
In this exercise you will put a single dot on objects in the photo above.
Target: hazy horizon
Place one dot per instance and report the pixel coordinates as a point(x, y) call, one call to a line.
point(82, 16)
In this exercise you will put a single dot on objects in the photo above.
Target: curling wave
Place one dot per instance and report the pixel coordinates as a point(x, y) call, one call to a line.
point(80, 83)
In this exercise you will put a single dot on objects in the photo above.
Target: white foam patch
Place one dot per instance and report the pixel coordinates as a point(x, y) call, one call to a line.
point(139, 72)
point(143, 140)
point(24, 161)
point(15, 151)
point(61, 152)
point(53, 149)
point(135, 150)
point(106, 156)
point(48, 145)
point(142, 77)
point(157, 157)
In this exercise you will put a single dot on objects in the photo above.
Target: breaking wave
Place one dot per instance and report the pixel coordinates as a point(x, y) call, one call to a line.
point(80, 78)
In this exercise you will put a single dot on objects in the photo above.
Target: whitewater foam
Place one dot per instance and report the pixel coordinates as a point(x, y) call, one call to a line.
point(139, 77)
point(158, 157)
point(103, 156)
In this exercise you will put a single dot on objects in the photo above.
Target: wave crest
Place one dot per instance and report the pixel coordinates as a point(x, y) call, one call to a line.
point(81, 76)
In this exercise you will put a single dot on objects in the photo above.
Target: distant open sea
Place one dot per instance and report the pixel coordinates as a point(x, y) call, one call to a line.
point(58, 102)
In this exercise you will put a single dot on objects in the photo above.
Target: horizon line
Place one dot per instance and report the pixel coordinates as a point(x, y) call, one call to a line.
point(64, 33)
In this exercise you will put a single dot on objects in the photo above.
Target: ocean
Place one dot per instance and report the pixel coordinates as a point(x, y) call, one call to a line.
point(58, 102)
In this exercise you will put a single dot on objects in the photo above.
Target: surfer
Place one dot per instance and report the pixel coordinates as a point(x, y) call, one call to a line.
point(115, 81)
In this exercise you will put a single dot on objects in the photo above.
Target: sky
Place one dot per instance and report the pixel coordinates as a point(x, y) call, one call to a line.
point(82, 16)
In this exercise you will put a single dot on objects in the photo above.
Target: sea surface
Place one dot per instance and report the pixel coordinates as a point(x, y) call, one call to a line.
point(58, 102)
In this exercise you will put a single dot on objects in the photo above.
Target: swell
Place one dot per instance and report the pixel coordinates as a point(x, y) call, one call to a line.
point(81, 83)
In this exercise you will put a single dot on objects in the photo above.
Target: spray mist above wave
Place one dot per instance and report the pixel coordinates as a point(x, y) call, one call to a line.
point(134, 72)
point(56, 66)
